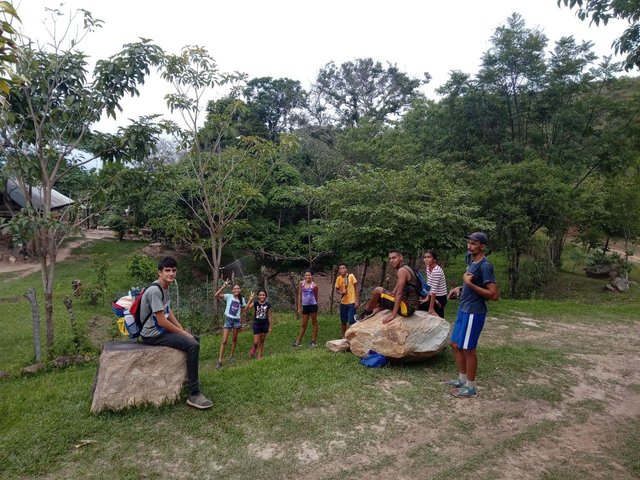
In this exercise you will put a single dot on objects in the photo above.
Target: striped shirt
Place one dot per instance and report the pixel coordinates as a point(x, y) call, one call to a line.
point(436, 280)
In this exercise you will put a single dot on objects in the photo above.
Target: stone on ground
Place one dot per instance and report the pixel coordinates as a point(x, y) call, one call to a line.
point(131, 374)
point(31, 369)
point(416, 337)
point(338, 346)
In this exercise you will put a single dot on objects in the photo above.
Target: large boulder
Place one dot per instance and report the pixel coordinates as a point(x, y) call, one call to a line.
point(132, 373)
point(413, 338)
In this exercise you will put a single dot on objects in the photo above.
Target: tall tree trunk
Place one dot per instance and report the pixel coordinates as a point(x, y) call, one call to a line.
point(334, 277)
point(556, 245)
point(264, 278)
point(68, 303)
point(47, 272)
point(35, 316)
point(514, 272)
point(294, 294)
point(216, 259)
point(626, 247)
point(309, 233)
point(383, 273)
point(363, 278)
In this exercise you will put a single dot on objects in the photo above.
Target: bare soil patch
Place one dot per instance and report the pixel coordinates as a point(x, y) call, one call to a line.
point(24, 268)
point(493, 437)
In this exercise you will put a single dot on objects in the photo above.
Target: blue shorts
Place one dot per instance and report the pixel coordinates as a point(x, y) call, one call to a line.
point(232, 322)
point(466, 330)
point(347, 313)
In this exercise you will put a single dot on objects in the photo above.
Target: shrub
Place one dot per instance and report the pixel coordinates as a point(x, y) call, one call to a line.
point(536, 268)
point(117, 224)
point(97, 288)
point(141, 268)
point(600, 260)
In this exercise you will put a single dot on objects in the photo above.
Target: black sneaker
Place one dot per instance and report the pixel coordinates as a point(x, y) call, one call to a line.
point(313, 344)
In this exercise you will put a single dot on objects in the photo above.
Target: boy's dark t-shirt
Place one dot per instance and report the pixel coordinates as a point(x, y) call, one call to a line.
point(470, 301)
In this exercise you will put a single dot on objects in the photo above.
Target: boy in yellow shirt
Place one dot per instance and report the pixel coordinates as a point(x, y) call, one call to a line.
point(346, 286)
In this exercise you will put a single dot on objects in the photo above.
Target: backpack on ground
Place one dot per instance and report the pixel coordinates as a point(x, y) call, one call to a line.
point(374, 359)
point(132, 320)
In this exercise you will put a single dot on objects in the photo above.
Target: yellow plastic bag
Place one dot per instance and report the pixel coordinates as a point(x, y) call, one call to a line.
point(121, 327)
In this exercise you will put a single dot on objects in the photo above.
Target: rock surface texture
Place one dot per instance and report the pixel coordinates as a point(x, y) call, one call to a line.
point(338, 346)
point(416, 337)
point(131, 373)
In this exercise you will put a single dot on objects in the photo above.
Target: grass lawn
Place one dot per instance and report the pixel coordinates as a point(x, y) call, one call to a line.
point(309, 413)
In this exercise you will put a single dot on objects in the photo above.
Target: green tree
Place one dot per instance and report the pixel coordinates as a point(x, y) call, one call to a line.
point(318, 159)
point(377, 209)
point(278, 233)
point(219, 183)
point(50, 117)
point(129, 195)
point(366, 89)
point(243, 122)
point(512, 73)
point(458, 128)
point(274, 102)
point(564, 109)
point(218, 189)
point(8, 47)
point(521, 199)
point(601, 11)
point(375, 144)
point(609, 209)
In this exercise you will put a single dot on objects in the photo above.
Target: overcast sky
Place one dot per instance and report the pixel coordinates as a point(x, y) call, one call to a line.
point(295, 38)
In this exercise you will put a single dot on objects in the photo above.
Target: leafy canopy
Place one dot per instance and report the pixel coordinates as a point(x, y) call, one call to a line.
point(601, 11)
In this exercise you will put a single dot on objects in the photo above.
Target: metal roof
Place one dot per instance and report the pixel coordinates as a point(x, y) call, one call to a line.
point(58, 200)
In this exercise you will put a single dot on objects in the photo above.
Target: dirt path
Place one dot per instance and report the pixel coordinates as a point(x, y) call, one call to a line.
point(25, 268)
point(618, 247)
point(495, 437)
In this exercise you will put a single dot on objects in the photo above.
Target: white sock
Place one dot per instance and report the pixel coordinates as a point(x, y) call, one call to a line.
point(470, 384)
point(463, 377)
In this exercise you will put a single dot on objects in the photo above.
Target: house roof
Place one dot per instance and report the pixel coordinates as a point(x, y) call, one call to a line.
point(58, 200)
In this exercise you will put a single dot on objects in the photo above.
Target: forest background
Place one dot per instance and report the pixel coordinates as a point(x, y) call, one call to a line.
point(539, 148)
point(542, 142)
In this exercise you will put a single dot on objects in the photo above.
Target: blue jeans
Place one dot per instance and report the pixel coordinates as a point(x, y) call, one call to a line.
point(230, 322)
point(186, 344)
